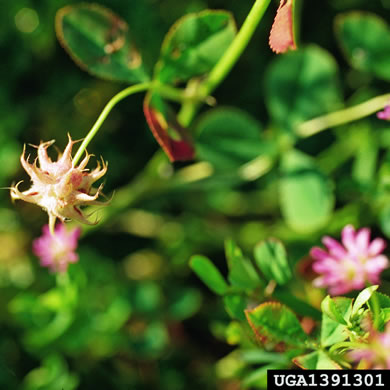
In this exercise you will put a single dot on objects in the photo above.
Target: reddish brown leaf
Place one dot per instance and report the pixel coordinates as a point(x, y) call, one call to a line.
point(173, 138)
point(281, 37)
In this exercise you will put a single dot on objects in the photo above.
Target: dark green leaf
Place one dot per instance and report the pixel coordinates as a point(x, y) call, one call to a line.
point(306, 198)
point(209, 274)
point(367, 148)
point(186, 304)
point(99, 42)
point(271, 258)
point(365, 41)
point(301, 85)
point(235, 305)
point(229, 138)
point(194, 44)
point(272, 321)
point(297, 305)
point(258, 377)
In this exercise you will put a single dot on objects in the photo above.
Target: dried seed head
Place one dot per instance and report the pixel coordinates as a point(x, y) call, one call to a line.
point(60, 187)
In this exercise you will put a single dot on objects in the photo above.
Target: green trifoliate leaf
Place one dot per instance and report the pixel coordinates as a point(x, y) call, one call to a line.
point(330, 308)
point(194, 44)
point(306, 197)
point(271, 258)
point(365, 41)
point(274, 322)
point(332, 331)
point(99, 41)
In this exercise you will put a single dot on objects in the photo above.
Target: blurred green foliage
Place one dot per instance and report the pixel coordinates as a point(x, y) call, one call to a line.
point(132, 314)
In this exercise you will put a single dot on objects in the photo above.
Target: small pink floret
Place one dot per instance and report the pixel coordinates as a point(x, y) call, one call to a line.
point(351, 264)
point(57, 250)
point(375, 354)
point(385, 114)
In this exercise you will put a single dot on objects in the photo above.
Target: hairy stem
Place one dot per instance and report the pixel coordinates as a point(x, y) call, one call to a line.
point(340, 117)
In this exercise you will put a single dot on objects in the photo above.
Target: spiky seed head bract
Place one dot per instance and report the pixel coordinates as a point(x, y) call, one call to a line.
point(60, 187)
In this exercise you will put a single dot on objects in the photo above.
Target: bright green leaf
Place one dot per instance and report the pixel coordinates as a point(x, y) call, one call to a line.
point(317, 360)
point(386, 315)
point(99, 42)
point(330, 308)
point(234, 333)
point(272, 321)
point(365, 41)
point(260, 356)
point(271, 258)
point(194, 44)
point(384, 300)
point(362, 298)
point(306, 197)
point(209, 274)
point(302, 85)
point(384, 219)
point(331, 331)
point(242, 273)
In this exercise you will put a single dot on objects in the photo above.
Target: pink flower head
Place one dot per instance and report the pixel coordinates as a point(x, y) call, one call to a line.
point(385, 114)
point(60, 187)
point(376, 353)
point(349, 265)
point(57, 250)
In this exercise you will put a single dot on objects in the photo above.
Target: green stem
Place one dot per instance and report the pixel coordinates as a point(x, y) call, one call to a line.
point(227, 61)
point(240, 42)
point(341, 117)
point(62, 279)
point(190, 99)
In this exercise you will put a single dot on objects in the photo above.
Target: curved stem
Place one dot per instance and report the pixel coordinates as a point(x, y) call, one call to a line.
point(340, 117)
point(167, 91)
point(102, 117)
